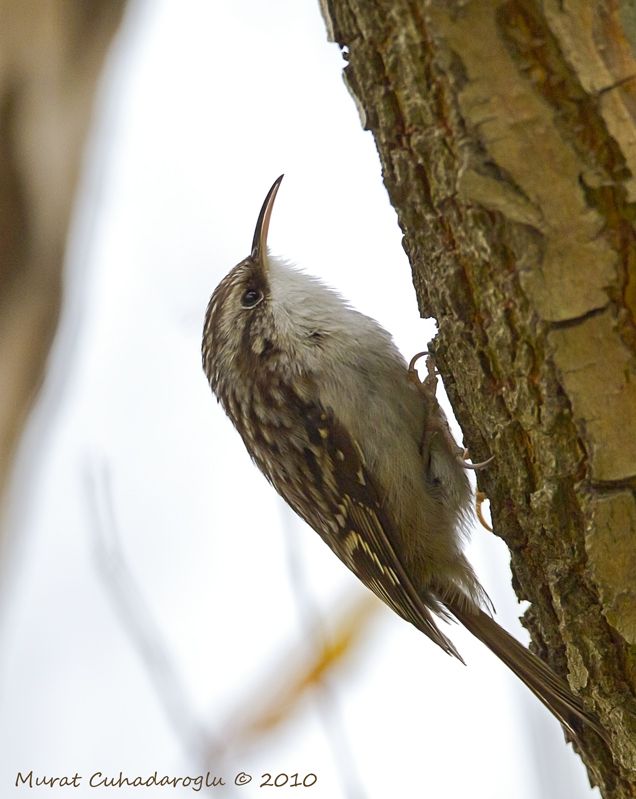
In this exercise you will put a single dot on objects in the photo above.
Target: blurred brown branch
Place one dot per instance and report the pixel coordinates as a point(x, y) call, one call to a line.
point(287, 683)
point(51, 55)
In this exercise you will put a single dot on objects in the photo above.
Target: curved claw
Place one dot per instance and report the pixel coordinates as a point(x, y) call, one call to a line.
point(415, 359)
point(428, 386)
point(475, 466)
point(480, 497)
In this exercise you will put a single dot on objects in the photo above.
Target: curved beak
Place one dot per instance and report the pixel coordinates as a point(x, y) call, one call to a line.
point(259, 242)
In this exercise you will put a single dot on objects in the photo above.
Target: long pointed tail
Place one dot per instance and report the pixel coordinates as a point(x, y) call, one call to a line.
point(537, 675)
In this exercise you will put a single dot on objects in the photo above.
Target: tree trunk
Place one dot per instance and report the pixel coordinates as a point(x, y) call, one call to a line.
point(507, 139)
point(51, 55)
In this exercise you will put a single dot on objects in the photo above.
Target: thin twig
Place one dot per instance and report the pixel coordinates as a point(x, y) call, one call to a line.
point(136, 617)
point(328, 708)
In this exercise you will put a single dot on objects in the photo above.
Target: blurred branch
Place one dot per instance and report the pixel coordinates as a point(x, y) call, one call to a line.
point(310, 619)
point(252, 720)
point(52, 56)
point(136, 617)
point(301, 677)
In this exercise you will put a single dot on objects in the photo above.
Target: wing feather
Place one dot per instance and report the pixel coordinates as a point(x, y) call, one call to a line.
point(336, 495)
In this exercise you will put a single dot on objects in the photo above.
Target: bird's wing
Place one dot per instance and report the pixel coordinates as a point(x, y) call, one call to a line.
point(339, 499)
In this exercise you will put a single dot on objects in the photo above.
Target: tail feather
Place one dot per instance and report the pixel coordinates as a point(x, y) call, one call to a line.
point(547, 686)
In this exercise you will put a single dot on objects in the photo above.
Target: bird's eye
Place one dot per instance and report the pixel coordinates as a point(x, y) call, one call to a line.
point(251, 297)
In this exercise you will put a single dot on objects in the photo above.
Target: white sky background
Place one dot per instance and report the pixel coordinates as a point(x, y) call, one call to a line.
point(203, 105)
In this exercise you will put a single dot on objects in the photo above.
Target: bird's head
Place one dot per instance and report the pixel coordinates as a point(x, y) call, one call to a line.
point(266, 315)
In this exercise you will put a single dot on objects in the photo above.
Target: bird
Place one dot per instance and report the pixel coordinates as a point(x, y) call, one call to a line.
point(330, 413)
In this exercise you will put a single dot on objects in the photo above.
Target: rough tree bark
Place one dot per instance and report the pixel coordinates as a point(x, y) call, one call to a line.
point(51, 54)
point(507, 135)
